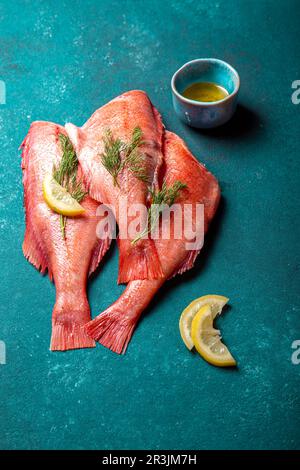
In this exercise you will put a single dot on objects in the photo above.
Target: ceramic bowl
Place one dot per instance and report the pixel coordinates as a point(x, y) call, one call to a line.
point(205, 114)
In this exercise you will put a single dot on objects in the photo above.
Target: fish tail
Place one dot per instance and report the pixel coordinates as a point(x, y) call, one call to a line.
point(67, 325)
point(138, 261)
point(113, 329)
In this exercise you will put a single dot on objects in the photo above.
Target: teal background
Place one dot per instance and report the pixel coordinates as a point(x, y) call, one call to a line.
point(62, 60)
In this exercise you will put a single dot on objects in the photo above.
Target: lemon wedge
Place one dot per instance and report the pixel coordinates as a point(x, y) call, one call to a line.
point(216, 303)
point(207, 339)
point(58, 198)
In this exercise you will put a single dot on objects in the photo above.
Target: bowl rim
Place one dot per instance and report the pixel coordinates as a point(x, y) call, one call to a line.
point(205, 103)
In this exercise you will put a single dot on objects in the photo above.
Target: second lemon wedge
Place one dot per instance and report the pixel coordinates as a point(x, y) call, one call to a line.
point(58, 198)
point(216, 303)
point(207, 339)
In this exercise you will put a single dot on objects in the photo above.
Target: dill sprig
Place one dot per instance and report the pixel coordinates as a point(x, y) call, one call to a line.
point(68, 163)
point(133, 159)
point(66, 175)
point(76, 189)
point(111, 157)
point(166, 196)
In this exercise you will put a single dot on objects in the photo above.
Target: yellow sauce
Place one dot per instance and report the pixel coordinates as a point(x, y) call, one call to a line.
point(205, 91)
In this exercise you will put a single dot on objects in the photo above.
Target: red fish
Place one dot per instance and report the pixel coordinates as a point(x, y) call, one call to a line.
point(69, 261)
point(120, 117)
point(114, 327)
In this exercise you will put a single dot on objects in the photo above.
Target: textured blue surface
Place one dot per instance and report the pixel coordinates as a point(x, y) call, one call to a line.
point(60, 61)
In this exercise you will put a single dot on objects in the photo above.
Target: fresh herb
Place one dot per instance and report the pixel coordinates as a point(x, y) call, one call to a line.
point(111, 157)
point(76, 189)
point(66, 175)
point(166, 196)
point(68, 163)
point(133, 159)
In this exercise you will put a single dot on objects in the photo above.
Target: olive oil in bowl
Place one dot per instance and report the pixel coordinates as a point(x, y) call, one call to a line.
point(206, 92)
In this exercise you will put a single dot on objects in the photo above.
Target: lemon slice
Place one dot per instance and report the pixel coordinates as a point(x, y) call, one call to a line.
point(58, 198)
point(207, 339)
point(216, 303)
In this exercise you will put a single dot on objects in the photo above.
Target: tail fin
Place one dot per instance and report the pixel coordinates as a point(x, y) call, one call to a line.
point(113, 329)
point(139, 261)
point(67, 326)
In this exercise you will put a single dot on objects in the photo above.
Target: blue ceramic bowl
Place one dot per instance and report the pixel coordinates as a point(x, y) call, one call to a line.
point(202, 114)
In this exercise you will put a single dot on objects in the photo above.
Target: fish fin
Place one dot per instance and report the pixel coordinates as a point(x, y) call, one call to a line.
point(67, 326)
point(33, 253)
point(112, 328)
point(187, 264)
point(32, 250)
point(101, 248)
point(67, 336)
point(76, 136)
point(161, 130)
point(139, 261)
